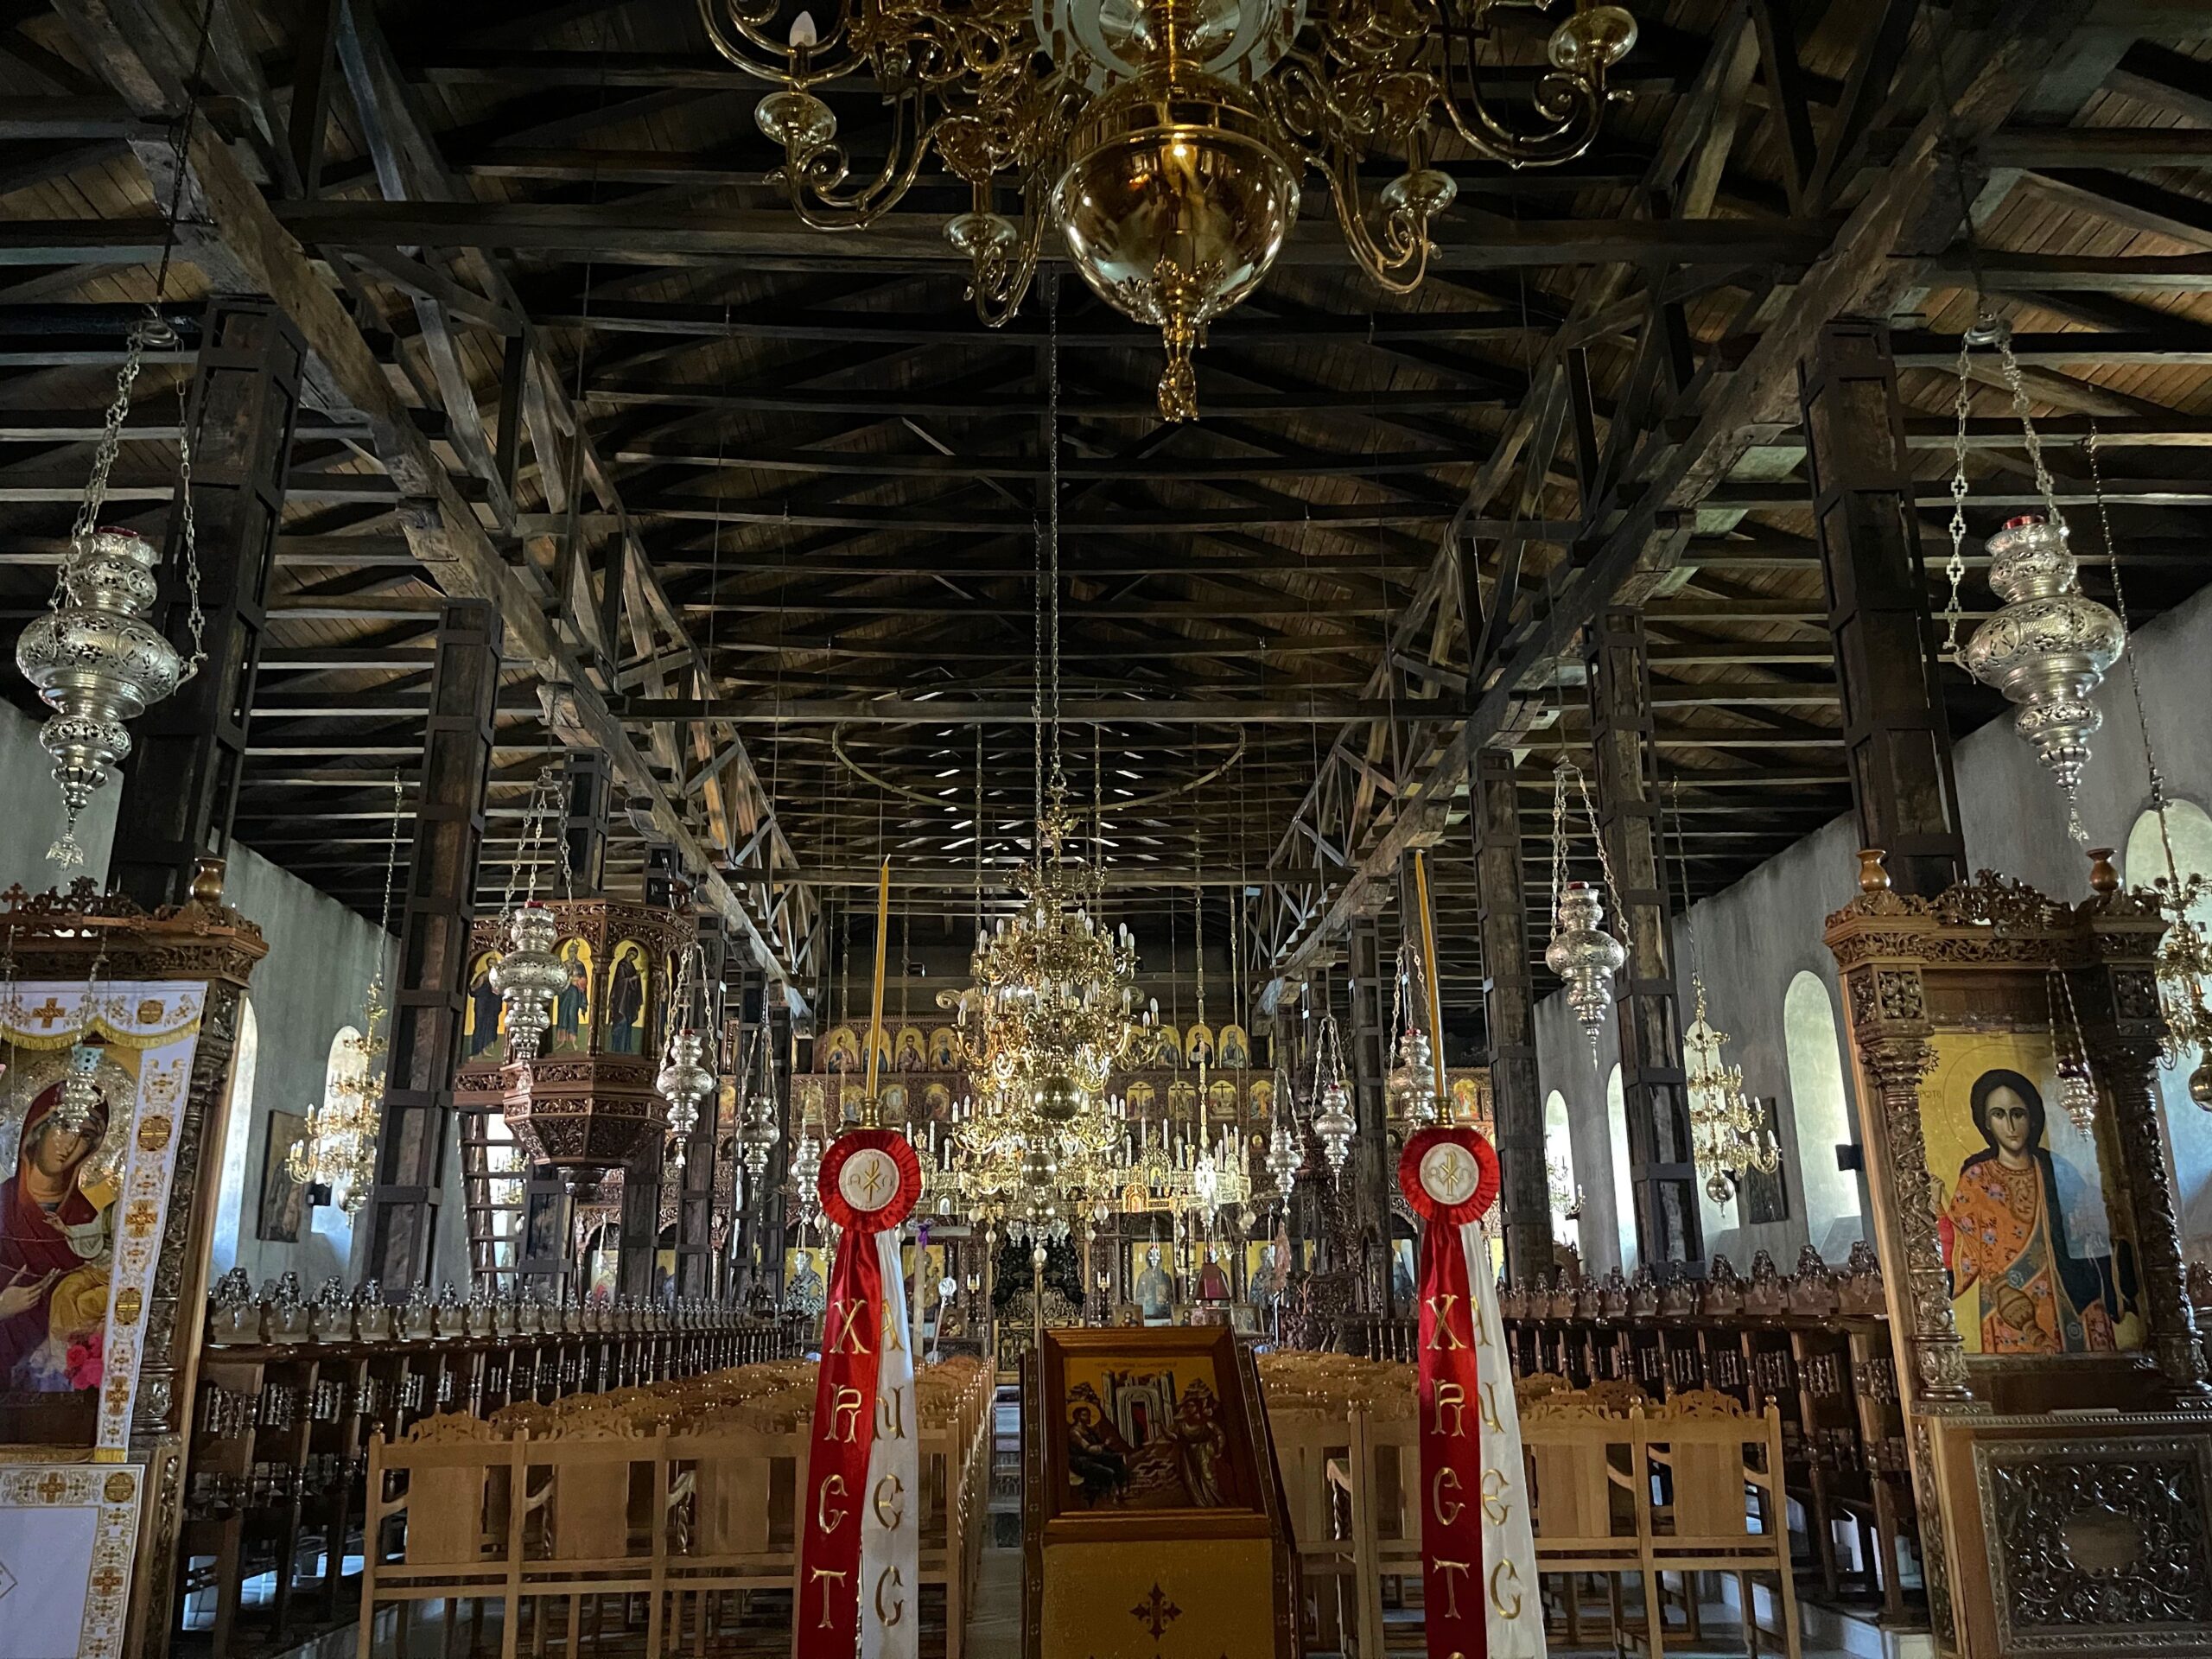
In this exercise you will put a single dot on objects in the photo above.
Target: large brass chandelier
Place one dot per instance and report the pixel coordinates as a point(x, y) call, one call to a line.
point(1053, 1007)
point(1167, 139)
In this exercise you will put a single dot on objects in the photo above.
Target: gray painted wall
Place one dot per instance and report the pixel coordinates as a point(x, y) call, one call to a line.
point(1758, 935)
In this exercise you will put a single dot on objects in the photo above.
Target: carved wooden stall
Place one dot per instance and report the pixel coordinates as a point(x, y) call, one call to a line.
point(118, 1030)
point(2054, 1385)
point(292, 1392)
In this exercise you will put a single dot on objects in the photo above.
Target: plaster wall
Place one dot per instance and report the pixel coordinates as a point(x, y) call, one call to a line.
point(1755, 937)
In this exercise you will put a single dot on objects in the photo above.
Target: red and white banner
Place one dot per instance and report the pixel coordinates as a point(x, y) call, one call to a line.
point(1477, 1555)
point(859, 1557)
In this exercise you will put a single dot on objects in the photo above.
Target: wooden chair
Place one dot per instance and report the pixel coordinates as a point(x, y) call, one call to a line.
point(1588, 1516)
point(1725, 1509)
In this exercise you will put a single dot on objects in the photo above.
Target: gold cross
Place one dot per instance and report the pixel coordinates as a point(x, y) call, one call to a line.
point(46, 1014)
point(871, 1178)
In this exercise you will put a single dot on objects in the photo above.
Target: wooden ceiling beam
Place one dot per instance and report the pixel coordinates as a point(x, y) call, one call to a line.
point(617, 234)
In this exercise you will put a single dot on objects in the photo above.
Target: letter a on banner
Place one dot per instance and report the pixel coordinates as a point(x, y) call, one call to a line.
point(1478, 1554)
point(859, 1557)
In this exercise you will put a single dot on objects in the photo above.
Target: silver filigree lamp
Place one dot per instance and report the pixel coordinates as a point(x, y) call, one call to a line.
point(2047, 650)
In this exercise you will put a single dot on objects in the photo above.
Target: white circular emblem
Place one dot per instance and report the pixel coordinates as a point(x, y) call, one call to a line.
point(1449, 1173)
point(868, 1179)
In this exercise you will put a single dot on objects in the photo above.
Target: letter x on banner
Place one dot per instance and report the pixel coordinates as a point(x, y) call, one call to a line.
point(1478, 1556)
point(859, 1553)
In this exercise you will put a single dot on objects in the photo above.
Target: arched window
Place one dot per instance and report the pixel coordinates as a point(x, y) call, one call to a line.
point(1559, 1167)
point(2189, 1127)
point(238, 1131)
point(1623, 1188)
point(1820, 1114)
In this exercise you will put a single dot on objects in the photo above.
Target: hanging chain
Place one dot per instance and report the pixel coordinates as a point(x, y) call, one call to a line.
point(88, 510)
point(1559, 831)
point(1058, 779)
point(2159, 802)
point(1956, 567)
point(1567, 769)
point(2016, 384)
point(195, 619)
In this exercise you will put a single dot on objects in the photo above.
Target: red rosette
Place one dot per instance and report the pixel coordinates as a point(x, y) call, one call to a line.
point(1436, 1206)
point(847, 1203)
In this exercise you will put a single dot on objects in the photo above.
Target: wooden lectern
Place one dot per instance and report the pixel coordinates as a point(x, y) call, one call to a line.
point(1153, 1521)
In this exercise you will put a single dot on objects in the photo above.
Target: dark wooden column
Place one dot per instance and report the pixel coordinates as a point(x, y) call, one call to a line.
point(583, 825)
point(1662, 1166)
point(1509, 1005)
point(1896, 735)
point(1367, 1045)
point(433, 973)
point(181, 787)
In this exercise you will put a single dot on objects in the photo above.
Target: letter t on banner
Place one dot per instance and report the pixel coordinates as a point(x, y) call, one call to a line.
point(860, 1555)
point(1477, 1555)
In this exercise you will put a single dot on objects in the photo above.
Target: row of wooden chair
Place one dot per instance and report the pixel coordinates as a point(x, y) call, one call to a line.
point(675, 1503)
point(1619, 1487)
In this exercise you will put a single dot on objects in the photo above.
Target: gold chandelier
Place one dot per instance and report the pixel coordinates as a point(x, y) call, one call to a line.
point(339, 1147)
point(1726, 1132)
point(1166, 139)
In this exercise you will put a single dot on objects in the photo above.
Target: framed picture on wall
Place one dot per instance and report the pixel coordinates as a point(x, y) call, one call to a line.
point(283, 1200)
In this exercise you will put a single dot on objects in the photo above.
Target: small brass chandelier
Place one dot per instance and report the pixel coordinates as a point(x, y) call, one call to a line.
point(1167, 139)
point(338, 1150)
point(1728, 1135)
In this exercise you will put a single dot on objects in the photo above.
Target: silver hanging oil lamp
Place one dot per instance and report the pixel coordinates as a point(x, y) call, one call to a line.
point(2049, 646)
point(685, 1082)
point(2047, 650)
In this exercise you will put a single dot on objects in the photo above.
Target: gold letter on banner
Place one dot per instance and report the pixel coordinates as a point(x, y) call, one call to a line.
point(845, 1408)
point(891, 1415)
point(1444, 1336)
point(1450, 1585)
point(1451, 1397)
point(1511, 1575)
point(1446, 1513)
point(851, 1339)
point(1494, 1503)
point(897, 1611)
point(1489, 1410)
point(825, 1518)
point(886, 1504)
point(820, 1573)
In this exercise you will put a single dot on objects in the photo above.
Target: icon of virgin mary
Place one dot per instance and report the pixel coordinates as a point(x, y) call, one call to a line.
point(55, 1249)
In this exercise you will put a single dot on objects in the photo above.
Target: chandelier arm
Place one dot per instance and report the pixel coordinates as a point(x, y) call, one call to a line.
point(813, 172)
point(1573, 105)
point(1397, 263)
point(831, 57)
point(1001, 282)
